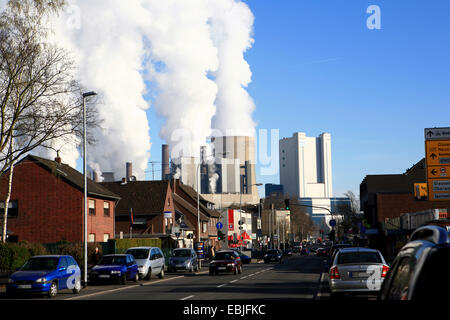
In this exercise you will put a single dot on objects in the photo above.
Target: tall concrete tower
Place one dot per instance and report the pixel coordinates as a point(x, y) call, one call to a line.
point(305, 166)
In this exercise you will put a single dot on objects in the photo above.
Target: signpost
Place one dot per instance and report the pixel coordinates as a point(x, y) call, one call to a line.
point(437, 158)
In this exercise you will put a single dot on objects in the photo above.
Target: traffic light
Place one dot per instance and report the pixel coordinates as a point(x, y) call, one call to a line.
point(286, 204)
point(220, 235)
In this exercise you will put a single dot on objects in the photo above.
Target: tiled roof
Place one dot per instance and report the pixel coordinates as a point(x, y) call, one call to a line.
point(144, 197)
point(72, 176)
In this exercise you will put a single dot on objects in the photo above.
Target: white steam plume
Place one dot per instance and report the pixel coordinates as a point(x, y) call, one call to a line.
point(232, 29)
point(190, 52)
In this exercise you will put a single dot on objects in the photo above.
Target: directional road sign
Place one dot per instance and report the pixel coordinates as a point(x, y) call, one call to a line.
point(219, 225)
point(437, 158)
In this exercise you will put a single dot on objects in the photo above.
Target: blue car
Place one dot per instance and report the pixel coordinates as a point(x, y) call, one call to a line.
point(46, 274)
point(116, 268)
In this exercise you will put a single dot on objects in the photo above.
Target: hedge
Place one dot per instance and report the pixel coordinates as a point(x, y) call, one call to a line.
point(14, 255)
point(123, 244)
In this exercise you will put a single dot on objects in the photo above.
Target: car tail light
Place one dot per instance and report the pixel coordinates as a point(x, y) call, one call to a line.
point(384, 271)
point(334, 273)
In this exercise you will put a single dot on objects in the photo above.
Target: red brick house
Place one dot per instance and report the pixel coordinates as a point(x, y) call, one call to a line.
point(47, 203)
point(148, 200)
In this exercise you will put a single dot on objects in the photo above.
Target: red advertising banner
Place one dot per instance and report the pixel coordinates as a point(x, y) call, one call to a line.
point(230, 219)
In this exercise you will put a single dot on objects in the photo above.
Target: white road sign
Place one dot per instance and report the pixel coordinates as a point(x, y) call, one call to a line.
point(437, 133)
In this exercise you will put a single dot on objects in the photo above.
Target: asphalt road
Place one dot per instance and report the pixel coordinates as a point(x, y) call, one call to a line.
point(298, 278)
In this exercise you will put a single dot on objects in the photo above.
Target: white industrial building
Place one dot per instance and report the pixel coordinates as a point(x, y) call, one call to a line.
point(306, 173)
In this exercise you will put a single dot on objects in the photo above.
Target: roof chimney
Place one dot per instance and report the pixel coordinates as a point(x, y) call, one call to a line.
point(96, 178)
point(129, 171)
point(58, 158)
point(124, 181)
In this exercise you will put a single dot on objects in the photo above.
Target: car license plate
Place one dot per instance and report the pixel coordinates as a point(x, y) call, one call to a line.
point(24, 286)
point(104, 276)
point(179, 266)
point(222, 268)
point(358, 275)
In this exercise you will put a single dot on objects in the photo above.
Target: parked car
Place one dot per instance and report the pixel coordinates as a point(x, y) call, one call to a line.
point(420, 270)
point(225, 261)
point(244, 258)
point(116, 268)
point(312, 251)
point(183, 259)
point(287, 252)
point(150, 260)
point(321, 252)
point(273, 255)
point(304, 251)
point(357, 270)
point(46, 274)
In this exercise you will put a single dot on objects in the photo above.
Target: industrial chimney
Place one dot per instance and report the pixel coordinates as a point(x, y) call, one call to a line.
point(165, 162)
point(129, 171)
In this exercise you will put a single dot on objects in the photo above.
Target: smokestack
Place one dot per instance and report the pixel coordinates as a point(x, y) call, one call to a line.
point(129, 171)
point(165, 162)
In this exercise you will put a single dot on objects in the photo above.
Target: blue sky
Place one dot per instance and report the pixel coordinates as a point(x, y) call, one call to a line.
point(318, 68)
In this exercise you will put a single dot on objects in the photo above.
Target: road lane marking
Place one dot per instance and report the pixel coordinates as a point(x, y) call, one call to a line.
point(187, 297)
point(243, 278)
point(221, 285)
point(124, 288)
point(233, 281)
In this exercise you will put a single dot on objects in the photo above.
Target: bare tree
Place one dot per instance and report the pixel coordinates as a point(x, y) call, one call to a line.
point(40, 102)
point(350, 213)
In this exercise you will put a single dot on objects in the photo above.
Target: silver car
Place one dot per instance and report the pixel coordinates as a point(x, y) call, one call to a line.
point(150, 260)
point(357, 270)
point(183, 259)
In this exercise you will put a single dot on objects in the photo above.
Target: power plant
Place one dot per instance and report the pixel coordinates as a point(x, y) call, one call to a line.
point(226, 177)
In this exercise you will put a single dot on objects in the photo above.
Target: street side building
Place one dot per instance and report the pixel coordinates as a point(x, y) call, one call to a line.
point(146, 207)
point(47, 203)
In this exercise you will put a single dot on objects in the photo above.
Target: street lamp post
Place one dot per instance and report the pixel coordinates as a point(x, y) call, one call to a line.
point(85, 95)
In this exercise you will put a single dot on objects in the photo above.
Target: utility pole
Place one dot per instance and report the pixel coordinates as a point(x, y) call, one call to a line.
point(153, 168)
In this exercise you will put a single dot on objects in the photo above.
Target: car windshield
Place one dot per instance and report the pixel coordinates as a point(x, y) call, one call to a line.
point(223, 256)
point(272, 252)
point(182, 253)
point(118, 260)
point(358, 257)
point(138, 253)
point(36, 264)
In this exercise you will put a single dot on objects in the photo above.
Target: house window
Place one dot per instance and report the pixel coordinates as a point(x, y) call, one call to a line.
point(92, 207)
point(106, 208)
point(13, 208)
point(106, 237)
point(91, 237)
point(204, 227)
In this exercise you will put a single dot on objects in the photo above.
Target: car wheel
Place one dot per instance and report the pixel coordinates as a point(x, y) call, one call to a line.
point(235, 271)
point(196, 268)
point(53, 290)
point(240, 270)
point(161, 274)
point(191, 269)
point(123, 280)
point(136, 277)
point(77, 287)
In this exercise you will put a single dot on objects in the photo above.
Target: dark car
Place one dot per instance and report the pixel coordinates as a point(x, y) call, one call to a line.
point(420, 270)
point(225, 261)
point(322, 252)
point(115, 267)
point(183, 259)
point(273, 255)
point(46, 274)
point(287, 252)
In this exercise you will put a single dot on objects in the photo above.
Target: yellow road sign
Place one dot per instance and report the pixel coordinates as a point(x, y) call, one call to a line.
point(438, 172)
point(439, 189)
point(437, 152)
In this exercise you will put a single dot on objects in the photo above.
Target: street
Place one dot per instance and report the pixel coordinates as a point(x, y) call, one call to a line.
point(297, 278)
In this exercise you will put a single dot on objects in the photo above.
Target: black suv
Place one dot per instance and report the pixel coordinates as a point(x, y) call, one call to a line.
point(420, 270)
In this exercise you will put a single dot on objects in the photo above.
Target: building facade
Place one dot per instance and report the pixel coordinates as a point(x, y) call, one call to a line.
point(47, 203)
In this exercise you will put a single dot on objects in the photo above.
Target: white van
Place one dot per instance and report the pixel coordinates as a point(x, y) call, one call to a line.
point(150, 261)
